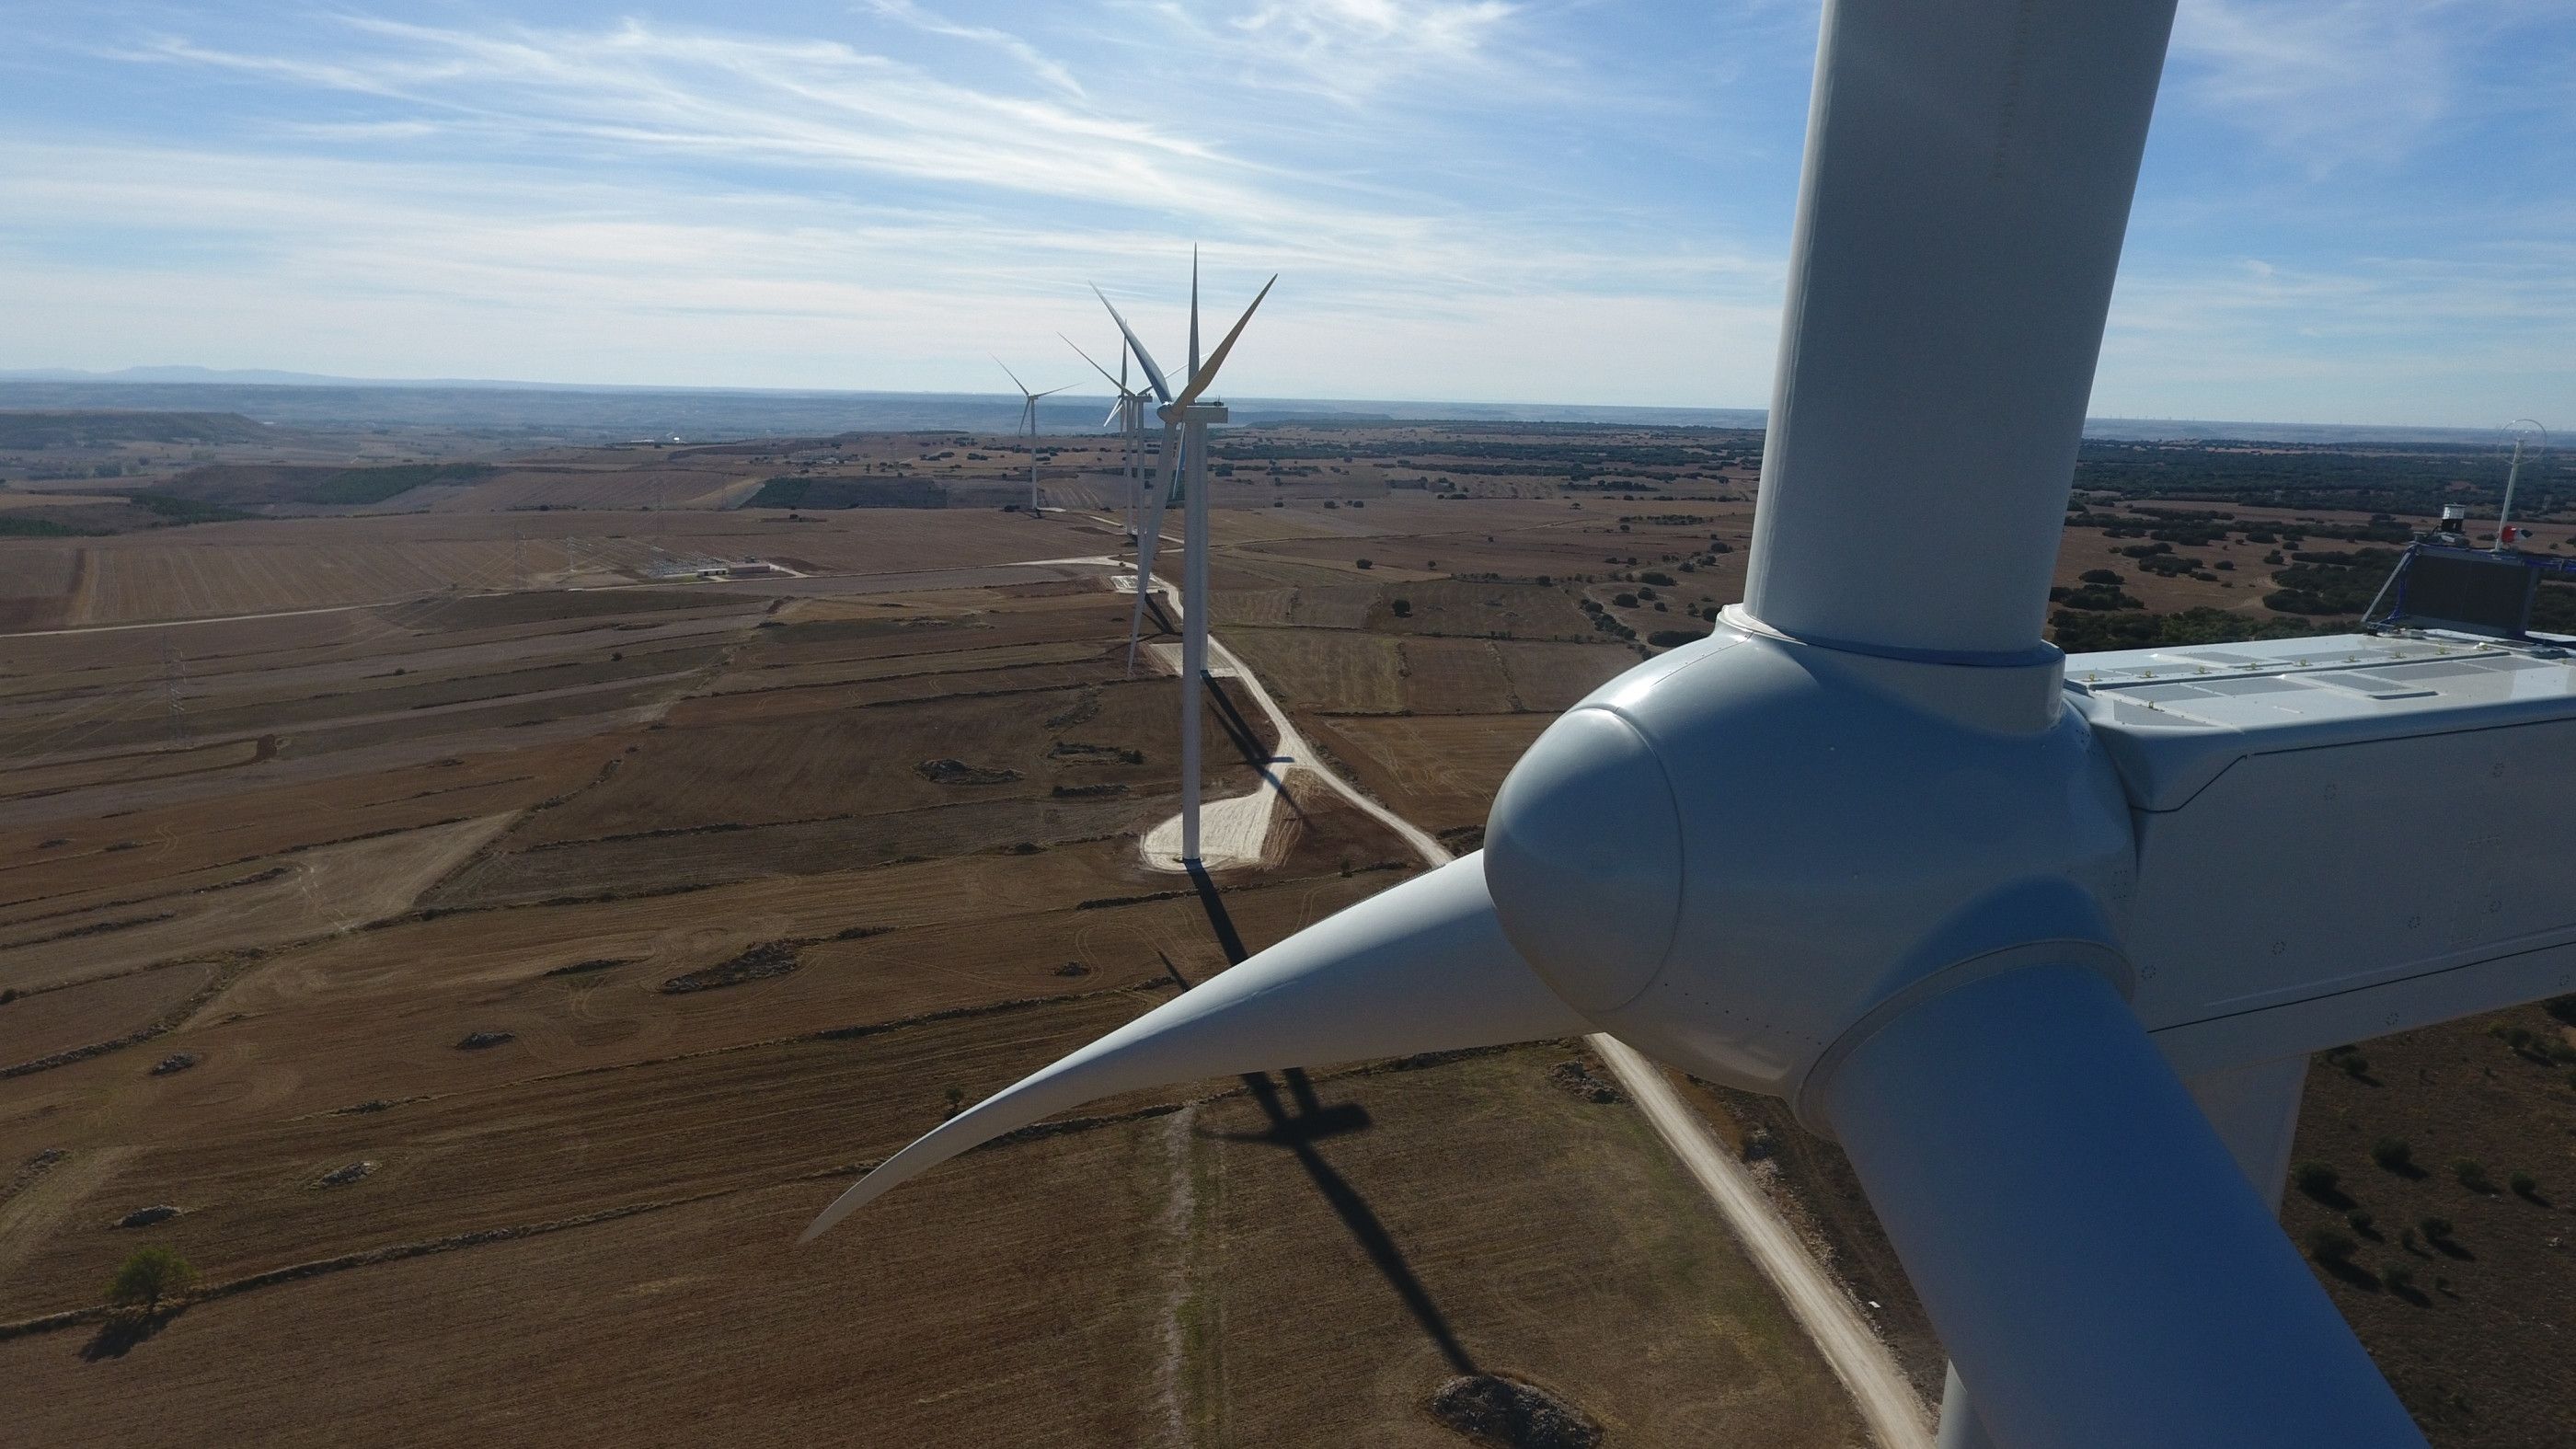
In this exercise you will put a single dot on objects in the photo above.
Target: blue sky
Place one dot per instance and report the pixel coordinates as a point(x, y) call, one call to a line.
point(2352, 210)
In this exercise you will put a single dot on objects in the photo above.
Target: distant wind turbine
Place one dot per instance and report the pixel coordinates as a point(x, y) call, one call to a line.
point(1128, 412)
point(1149, 526)
point(1185, 425)
point(1029, 422)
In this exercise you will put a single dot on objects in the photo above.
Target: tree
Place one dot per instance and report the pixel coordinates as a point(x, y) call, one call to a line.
point(2393, 1153)
point(149, 1276)
point(1402, 608)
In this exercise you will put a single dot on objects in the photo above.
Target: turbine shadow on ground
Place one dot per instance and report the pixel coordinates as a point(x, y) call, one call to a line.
point(1299, 1131)
point(1248, 744)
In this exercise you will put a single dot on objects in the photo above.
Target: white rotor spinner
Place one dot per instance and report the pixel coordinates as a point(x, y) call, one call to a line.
point(1736, 855)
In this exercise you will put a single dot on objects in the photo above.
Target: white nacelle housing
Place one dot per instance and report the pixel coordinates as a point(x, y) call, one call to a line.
point(2404, 803)
point(1748, 854)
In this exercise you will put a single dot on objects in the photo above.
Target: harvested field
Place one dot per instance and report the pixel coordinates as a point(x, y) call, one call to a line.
point(722, 853)
point(1455, 676)
point(1319, 670)
point(332, 888)
point(813, 766)
point(95, 1011)
point(1553, 677)
point(128, 768)
point(1437, 771)
point(1499, 1141)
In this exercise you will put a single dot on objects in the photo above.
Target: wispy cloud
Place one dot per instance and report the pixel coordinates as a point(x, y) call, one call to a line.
point(2347, 82)
point(1482, 198)
point(1053, 72)
point(1354, 48)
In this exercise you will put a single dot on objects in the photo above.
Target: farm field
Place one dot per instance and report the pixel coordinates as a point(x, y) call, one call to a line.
point(495, 941)
point(442, 956)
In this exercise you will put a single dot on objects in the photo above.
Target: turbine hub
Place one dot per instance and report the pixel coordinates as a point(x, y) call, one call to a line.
point(1584, 854)
point(1732, 855)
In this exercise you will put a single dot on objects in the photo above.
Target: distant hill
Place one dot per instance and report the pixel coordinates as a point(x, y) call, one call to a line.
point(79, 428)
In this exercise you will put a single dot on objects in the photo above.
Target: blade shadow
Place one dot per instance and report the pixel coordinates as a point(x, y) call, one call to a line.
point(1299, 1131)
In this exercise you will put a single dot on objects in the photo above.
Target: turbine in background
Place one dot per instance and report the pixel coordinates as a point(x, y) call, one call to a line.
point(1029, 424)
point(1158, 487)
point(1185, 424)
point(1127, 412)
point(1193, 411)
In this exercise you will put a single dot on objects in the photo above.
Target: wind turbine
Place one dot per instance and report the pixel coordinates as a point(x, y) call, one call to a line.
point(1128, 412)
point(1185, 424)
point(1029, 421)
point(2020, 932)
point(1149, 528)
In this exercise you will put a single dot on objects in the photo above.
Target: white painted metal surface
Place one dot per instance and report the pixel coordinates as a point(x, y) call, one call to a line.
point(1968, 175)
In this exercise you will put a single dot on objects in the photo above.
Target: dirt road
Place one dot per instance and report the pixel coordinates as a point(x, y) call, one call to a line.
point(1887, 1401)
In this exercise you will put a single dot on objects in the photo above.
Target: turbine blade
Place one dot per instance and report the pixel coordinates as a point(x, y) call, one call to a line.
point(1096, 367)
point(1423, 967)
point(1144, 359)
point(1200, 378)
point(1006, 369)
point(2098, 1267)
point(1945, 311)
point(1149, 537)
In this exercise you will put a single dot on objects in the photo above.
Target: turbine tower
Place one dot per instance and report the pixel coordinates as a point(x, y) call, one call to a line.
point(1029, 424)
point(2043, 943)
point(1128, 412)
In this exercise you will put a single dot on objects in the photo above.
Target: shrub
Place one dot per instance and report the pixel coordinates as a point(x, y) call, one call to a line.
point(1653, 577)
point(2393, 1154)
point(149, 1276)
point(2397, 1276)
point(2472, 1175)
point(2437, 1229)
point(2523, 1184)
point(1364, 563)
point(2360, 1220)
point(2315, 1178)
point(2330, 1245)
point(2354, 1064)
point(1624, 601)
point(1402, 608)
point(2102, 576)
